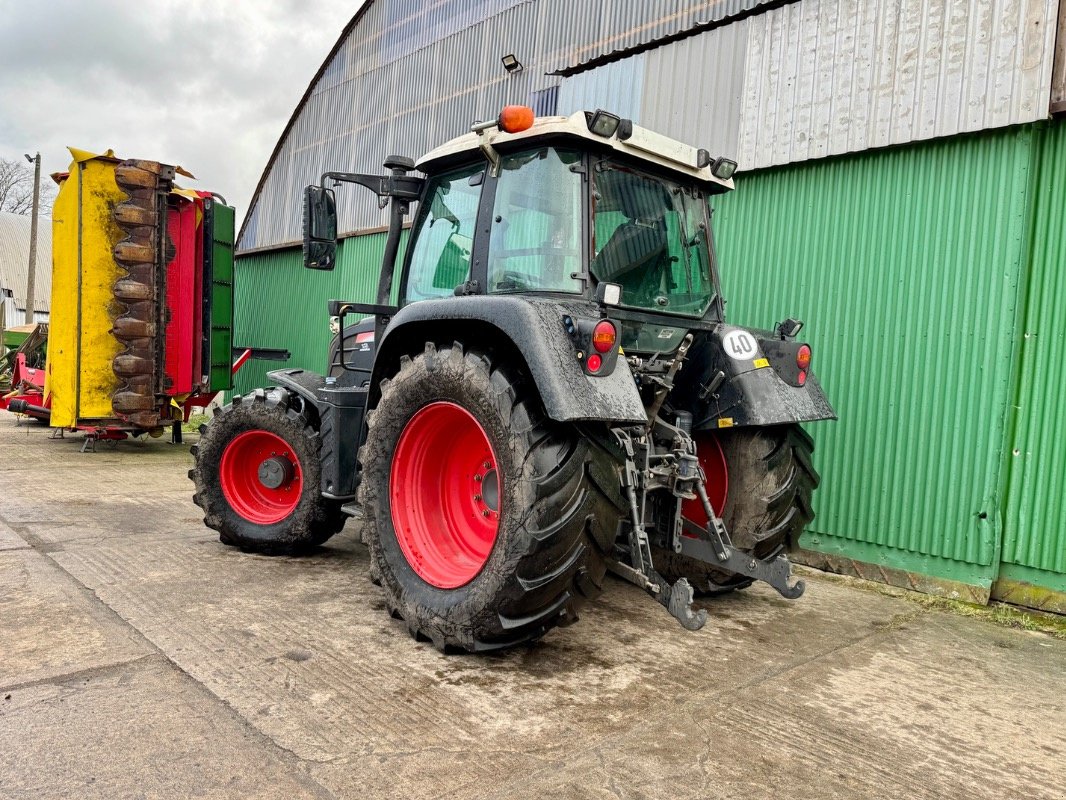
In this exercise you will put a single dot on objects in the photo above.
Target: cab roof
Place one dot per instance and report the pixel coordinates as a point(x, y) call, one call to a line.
point(642, 145)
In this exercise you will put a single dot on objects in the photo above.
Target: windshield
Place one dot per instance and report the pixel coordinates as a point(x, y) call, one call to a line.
point(651, 239)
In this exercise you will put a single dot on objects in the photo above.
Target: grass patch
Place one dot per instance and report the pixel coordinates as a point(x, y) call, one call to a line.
point(1002, 614)
point(194, 423)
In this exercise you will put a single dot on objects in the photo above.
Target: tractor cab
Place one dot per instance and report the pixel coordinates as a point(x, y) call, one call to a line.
point(558, 206)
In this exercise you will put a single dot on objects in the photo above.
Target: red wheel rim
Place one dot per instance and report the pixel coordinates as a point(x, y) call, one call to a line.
point(712, 459)
point(249, 459)
point(445, 492)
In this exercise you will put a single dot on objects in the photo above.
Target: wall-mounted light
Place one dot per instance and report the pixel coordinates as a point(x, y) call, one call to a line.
point(511, 63)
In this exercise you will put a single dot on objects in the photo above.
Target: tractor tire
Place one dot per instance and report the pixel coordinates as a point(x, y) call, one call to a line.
point(285, 519)
point(770, 483)
point(488, 524)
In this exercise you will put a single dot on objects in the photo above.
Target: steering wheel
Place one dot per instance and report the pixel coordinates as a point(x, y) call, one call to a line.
point(512, 279)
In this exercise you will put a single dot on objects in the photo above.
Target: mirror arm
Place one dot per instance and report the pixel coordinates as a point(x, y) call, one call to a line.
point(403, 187)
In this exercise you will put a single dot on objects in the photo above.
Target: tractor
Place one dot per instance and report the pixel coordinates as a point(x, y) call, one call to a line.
point(550, 391)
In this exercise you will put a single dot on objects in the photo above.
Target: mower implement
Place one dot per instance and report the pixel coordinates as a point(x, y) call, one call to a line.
point(554, 391)
point(142, 283)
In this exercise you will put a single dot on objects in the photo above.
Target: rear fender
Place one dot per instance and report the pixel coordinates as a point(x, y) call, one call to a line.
point(757, 388)
point(532, 330)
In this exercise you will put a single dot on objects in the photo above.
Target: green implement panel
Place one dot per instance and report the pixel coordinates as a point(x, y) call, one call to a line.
point(218, 294)
point(906, 265)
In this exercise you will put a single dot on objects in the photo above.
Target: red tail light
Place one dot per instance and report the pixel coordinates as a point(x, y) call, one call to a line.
point(803, 358)
point(603, 337)
point(594, 363)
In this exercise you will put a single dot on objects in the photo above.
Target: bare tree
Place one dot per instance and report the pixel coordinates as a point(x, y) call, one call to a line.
point(16, 189)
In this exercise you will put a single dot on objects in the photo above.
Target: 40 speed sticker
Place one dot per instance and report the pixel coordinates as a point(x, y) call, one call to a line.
point(740, 345)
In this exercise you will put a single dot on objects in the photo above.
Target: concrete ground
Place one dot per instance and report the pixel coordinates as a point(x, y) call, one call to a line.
point(141, 658)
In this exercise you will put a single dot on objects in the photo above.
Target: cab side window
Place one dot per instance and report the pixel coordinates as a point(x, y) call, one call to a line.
point(440, 257)
point(536, 234)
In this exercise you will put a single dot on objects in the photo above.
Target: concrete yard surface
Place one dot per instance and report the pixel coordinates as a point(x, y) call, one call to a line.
point(139, 657)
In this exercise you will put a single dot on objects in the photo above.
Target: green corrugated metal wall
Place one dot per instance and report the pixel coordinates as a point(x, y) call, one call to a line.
point(1034, 542)
point(918, 271)
point(280, 304)
point(905, 264)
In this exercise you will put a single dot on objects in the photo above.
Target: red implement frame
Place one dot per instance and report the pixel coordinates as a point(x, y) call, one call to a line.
point(184, 286)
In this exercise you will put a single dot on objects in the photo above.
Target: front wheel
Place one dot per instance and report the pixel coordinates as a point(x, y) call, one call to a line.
point(257, 472)
point(488, 524)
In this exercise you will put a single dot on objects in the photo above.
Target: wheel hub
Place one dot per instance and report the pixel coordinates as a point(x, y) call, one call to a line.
point(275, 472)
point(260, 477)
point(490, 490)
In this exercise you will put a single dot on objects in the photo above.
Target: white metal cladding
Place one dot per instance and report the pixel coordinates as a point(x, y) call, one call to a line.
point(826, 77)
point(413, 73)
point(617, 87)
point(15, 262)
point(693, 89)
point(802, 80)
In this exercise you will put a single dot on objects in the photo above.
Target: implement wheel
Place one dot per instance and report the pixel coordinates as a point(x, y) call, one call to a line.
point(488, 524)
point(760, 481)
point(257, 476)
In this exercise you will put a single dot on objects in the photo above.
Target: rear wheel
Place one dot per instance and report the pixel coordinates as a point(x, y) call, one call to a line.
point(488, 524)
point(257, 473)
point(760, 481)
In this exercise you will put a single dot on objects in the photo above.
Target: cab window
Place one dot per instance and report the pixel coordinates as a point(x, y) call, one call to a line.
point(440, 255)
point(650, 237)
point(536, 233)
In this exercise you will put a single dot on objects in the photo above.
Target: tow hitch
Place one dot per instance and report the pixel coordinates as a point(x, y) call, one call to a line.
point(676, 470)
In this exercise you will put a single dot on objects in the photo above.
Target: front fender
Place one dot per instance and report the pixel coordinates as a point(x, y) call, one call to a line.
point(533, 329)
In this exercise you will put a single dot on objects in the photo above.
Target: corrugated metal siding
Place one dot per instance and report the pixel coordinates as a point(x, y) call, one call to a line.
point(15, 261)
point(803, 80)
point(695, 88)
point(617, 87)
point(410, 76)
point(905, 265)
point(826, 77)
point(1035, 533)
point(610, 27)
point(279, 304)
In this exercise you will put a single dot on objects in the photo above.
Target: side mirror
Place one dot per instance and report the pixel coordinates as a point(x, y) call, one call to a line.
point(320, 228)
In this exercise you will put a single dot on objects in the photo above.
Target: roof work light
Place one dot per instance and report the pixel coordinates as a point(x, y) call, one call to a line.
point(603, 123)
point(723, 169)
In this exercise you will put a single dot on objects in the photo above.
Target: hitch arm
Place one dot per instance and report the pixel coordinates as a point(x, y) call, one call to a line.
point(677, 597)
point(714, 546)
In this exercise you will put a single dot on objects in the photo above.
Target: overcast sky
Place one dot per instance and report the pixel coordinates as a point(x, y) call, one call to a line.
point(207, 84)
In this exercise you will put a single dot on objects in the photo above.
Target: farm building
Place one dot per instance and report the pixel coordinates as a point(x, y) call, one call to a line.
point(900, 189)
point(14, 268)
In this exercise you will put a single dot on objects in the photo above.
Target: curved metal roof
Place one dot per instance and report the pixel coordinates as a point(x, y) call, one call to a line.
point(15, 259)
point(404, 75)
